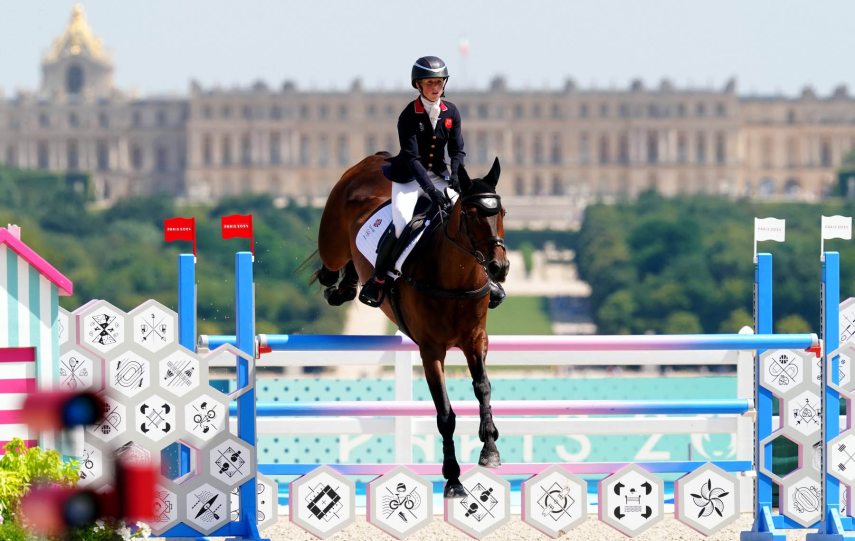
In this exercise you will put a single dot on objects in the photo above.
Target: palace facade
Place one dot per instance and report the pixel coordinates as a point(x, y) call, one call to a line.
point(559, 149)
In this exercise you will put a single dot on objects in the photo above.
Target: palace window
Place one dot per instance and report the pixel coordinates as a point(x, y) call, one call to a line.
point(323, 150)
point(720, 149)
point(207, 150)
point(161, 159)
point(246, 149)
point(652, 147)
point(701, 149)
point(343, 150)
point(226, 150)
point(136, 157)
point(584, 148)
point(537, 148)
point(102, 156)
point(603, 151)
point(556, 154)
point(275, 150)
point(42, 155)
point(72, 156)
point(74, 79)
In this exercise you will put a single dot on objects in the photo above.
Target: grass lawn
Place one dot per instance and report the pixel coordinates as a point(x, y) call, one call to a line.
point(520, 315)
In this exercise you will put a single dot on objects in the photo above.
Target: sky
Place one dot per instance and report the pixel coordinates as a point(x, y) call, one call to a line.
point(159, 46)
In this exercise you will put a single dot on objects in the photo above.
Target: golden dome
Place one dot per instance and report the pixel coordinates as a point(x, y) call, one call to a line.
point(77, 39)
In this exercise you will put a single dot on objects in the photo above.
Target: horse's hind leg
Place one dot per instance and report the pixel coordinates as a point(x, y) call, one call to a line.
point(487, 431)
point(433, 362)
point(326, 277)
point(345, 290)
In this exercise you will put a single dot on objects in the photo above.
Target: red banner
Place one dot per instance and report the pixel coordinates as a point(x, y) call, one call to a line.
point(238, 226)
point(180, 229)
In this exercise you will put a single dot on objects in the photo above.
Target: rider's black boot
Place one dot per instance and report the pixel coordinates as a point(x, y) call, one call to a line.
point(497, 294)
point(372, 290)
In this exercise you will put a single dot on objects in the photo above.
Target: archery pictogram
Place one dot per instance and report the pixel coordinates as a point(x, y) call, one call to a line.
point(152, 329)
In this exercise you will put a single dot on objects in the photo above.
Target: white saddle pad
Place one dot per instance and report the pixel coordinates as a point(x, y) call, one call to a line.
point(371, 231)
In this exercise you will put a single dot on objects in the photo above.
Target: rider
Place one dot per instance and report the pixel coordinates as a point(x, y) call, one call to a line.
point(426, 127)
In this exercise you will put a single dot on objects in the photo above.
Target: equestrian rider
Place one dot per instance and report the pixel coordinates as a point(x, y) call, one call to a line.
point(426, 127)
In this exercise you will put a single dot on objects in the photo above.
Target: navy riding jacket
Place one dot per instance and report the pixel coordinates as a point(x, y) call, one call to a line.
point(423, 148)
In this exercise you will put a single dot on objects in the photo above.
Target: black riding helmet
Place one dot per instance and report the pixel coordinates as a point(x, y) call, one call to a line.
point(428, 67)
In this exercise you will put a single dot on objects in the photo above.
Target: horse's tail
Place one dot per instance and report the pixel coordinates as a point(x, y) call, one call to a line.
point(306, 262)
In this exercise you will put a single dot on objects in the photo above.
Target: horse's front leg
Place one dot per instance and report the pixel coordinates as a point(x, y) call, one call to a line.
point(476, 357)
point(434, 364)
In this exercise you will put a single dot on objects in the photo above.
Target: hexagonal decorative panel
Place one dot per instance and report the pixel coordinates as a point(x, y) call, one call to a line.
point(847, 320)
point(114, 423)
point(841, 457)
point(101, 327)
point(155, 421)
point(267, 501)
point(322, 502)
point(801, 499)
point(399, 502)
point(133, 453)
point(178, 371)
point(804, 414)
point(64, 328)
point(706, 499)
point(92, 471)
point(846, 354)
point(554, 501)
point(206, 416)
point(631, 500)
point(782, 370)
point(154, 326)
point(486, 506)
point(79, 370)
point(207, 508)
point(165, 510)
point(128, 374)
point(230, 461)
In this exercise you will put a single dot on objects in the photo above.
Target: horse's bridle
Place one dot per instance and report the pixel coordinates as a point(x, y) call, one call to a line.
point(488, 205)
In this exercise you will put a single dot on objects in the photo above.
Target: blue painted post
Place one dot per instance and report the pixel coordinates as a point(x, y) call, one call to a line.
point(764, 524)
point(832, 527)
point(186, 326)
point(245, 333)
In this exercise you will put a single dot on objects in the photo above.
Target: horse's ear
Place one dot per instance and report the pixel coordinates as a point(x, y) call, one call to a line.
point(492, 177)
point(463, 177)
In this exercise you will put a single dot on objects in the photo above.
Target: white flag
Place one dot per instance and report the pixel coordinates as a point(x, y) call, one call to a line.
point(837, 227)
point(769, 229)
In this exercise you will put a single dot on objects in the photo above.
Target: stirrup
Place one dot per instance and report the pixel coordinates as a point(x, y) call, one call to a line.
point(372, 293)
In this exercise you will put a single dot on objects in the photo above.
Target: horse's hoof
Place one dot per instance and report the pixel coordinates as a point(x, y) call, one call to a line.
point(454, 489)
point(490, 459)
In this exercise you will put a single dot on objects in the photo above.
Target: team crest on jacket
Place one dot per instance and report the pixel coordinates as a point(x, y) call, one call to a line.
point(421, 126)
point(448, 123)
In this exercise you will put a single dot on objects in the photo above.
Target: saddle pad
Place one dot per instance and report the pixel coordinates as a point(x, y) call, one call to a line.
point(371, 231)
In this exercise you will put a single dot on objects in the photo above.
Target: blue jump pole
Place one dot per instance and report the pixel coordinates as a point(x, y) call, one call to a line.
point(833, 527)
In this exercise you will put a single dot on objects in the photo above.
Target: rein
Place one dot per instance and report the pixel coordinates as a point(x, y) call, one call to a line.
point(490, 205)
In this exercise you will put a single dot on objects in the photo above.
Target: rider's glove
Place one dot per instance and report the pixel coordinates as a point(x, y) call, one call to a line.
point(454, 183)
point(440, 200)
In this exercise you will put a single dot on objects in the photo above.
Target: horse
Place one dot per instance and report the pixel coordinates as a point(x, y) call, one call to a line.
point(442, 295)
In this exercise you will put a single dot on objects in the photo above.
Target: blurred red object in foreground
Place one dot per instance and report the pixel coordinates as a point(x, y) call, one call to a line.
point(62, 409)
point(51, 510)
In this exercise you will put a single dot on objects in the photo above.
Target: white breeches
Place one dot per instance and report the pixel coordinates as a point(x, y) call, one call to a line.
point(405, 196)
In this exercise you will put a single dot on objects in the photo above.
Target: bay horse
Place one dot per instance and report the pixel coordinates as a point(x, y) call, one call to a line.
point(442, 294)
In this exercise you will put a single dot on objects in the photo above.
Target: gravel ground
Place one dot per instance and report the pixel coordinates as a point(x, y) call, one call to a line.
point(590, 530)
